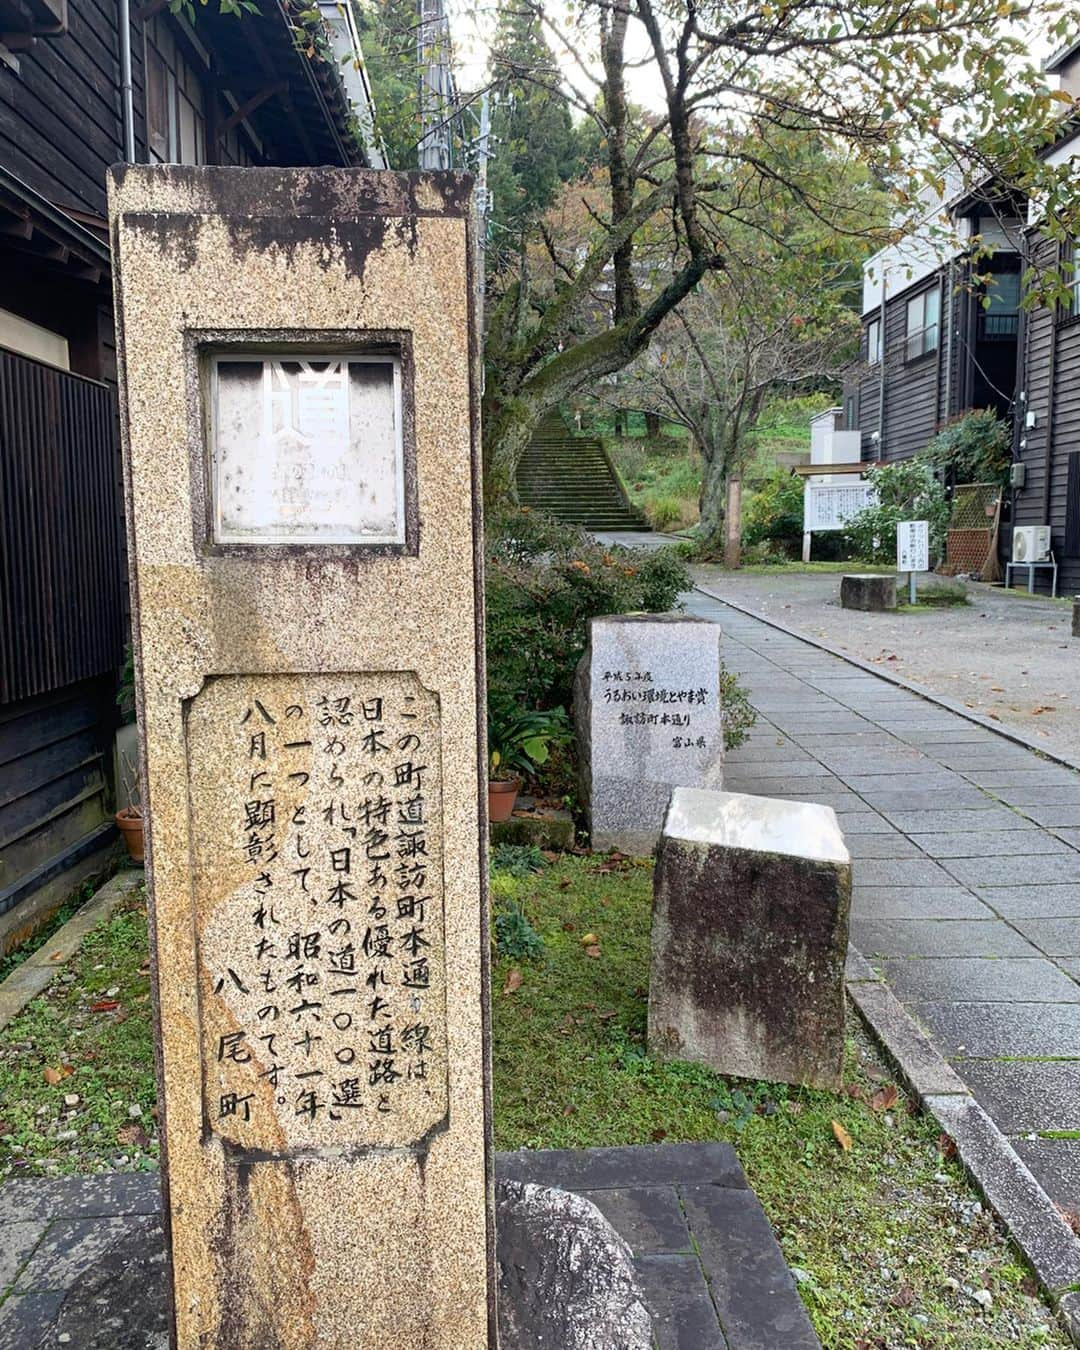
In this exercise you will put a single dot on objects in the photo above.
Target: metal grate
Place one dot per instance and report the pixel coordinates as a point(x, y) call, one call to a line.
point(61, 578)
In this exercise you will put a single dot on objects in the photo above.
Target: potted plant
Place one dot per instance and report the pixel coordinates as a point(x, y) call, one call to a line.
point(517, 745)
point(129, 819)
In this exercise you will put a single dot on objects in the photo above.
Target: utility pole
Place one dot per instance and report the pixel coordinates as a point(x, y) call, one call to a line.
point(438, 102)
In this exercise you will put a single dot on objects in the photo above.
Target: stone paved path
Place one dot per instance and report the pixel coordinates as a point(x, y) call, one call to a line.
point(966, 862)
point(82, 1259)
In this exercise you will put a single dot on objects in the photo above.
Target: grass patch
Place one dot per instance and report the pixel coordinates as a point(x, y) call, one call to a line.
point(90, 1037)
point(876, 1235)
point(661, 475)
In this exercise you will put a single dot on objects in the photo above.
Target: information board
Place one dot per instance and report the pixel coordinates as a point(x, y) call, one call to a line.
point(828, 506)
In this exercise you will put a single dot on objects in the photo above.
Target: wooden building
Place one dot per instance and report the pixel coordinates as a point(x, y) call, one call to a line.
point(1046, 442)
point(85, 84)
point(930, 350)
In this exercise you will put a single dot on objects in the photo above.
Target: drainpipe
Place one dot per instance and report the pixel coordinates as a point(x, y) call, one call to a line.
point(882, 348)
point(127, 94)
point(947, 317)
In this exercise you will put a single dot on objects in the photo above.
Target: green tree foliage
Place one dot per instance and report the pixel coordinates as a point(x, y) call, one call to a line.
point(388, 31)
point(908, 490)
point(536, 148)
point(974, 448)
point(773, 514)
point(909, 90)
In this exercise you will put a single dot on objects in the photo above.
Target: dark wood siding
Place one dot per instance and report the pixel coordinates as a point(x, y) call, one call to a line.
point(912, 388)
point(1051, 383)
point(61, 588)
point(60, 112)
point(53, 781)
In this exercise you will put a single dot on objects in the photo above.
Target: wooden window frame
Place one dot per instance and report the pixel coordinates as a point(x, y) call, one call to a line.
point(926, 337)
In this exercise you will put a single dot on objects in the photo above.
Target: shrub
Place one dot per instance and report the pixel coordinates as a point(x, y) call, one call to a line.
point(973, 448)
point(908, 490)
point(738, 716)
point(774, 513)
point(515, 937)
point(665, 512)
point(544, 582)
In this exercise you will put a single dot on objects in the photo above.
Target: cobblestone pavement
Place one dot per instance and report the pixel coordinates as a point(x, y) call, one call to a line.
point(82, 1259)
point(1002, 654)
point(966, 870)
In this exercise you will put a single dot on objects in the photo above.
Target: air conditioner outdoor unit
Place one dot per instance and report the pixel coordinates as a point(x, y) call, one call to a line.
point(1030, 543)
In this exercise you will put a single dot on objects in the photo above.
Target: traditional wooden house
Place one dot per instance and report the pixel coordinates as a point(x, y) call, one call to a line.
point(930, 348)
point(1046, 474)
point(84, 84)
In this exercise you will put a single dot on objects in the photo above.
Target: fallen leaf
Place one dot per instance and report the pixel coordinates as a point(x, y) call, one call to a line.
point(904, 1297)
point(842, 1136)
point(946, 1146)
point(57, 1075)
point(568, 926)
point(593, 951)
point(589, 940)
point(996, 689)
point(884, 1099)
point(513, 981)
point(1043, 707)
point(658, 1135)
point(132, 1134)
point(105, 1005)
point(569, 1110)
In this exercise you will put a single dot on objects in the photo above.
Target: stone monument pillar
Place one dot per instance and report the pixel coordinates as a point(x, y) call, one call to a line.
point(648, 718)
point(302, 487)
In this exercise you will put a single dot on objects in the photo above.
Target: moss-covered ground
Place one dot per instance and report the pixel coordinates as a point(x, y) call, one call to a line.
point(889, 1243)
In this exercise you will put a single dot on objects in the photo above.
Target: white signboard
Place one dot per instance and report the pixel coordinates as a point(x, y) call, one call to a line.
point(912, 546)
point(307, 450)
point(828, 506)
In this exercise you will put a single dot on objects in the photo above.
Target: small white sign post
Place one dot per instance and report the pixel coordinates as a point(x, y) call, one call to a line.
point(912, 550)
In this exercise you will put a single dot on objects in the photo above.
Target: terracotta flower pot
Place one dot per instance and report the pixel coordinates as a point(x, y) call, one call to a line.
point(502, 794)
point(130, 825)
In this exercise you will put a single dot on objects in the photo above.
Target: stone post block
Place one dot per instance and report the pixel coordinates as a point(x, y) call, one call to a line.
point(749, 937)
point(648, 718)
point(303, 493)
point(868, 591)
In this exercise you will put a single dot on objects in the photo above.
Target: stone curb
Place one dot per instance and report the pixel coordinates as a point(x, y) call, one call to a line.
point(36, 973)
point(941, 700)
point(1020, 1203)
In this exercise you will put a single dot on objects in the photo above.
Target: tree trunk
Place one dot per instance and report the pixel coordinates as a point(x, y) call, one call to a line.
point(733, 540)
point(712, 503)
point(652, 424)
point(507, 431)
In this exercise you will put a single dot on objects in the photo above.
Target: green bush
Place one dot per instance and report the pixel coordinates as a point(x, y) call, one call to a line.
point(665, 512)
point(974, 448)
point(908, 490)
point(774, 513)
point(544, 582)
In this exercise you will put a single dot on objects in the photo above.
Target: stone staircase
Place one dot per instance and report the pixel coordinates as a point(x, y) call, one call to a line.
point(571, 478)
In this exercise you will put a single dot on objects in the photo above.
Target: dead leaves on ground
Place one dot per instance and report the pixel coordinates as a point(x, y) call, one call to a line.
point(56, 1075)
point(842, 1137)
point(513, 981)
